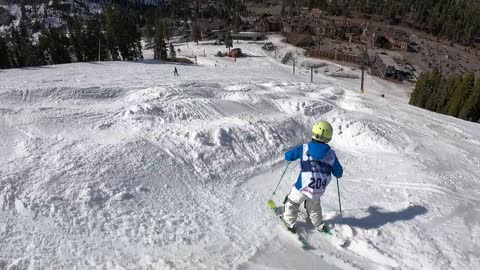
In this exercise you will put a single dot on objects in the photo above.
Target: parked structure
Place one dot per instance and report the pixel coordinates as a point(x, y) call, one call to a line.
point(235, 53)
point(387, 68)
point(248, 36)
point(268, 46)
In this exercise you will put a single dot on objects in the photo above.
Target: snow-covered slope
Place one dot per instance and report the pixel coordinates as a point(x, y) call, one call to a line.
point(121, 165)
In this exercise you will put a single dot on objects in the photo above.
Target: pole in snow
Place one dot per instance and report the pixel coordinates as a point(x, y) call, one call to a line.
point(363, 77)
point(311, 74)
point(294, 67)
point(339, 202)
point(99, 43)
point(270, 202)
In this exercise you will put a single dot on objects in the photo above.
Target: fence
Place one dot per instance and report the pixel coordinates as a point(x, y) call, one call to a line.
point(333, 55)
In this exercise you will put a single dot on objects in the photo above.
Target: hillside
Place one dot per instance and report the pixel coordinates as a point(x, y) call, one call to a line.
point(121, 165)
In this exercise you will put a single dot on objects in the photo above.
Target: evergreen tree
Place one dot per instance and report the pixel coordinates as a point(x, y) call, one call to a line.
point(419, 95)
point(112, 32)
point(77, 40)
point(92, 39)
point(24, 52)
point(237, 23)
point(44, 45)
point(475, 114)
point(122, 34)
point(173, 54)
point(462, 92)
point(196, 33)
point(160, 50)
point(4, 57)
point(148, 33)
point(129, 37)
point(418, 88)
point(446, 92)
point(20, 44)
point(228, 40)
point(54, 46)
point(453, 105)
point(311, 4)
point(158, 40)
point(453, 95)
point(59, 47)
point(436, 80)
point(471, 109)
point(167, 33)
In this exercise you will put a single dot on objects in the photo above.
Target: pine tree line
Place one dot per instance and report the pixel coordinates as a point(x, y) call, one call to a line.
point(160, 50)
point(455, 95)
point(112, 35)
point(160, 46)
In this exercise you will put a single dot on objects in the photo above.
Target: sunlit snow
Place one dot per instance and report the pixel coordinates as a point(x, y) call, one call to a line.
point(121, 165)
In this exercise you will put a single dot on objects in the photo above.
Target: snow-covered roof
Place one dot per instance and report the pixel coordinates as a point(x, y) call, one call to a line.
point(389, 61)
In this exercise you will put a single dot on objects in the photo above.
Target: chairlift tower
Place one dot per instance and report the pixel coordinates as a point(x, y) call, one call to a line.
point(365, 61)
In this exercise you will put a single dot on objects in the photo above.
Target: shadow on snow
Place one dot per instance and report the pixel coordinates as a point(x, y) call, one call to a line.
point(378, 218)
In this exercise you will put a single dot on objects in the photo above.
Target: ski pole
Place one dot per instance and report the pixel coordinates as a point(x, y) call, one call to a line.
point(270, 202)
point(339, 202)
point(288, 163)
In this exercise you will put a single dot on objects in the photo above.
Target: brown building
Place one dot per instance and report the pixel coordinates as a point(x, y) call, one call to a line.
point(369, 35)
point(300, 40)
point(274, 23)
point(268, 23)
point(260, 26)
point(397, 38)
point(334, 55)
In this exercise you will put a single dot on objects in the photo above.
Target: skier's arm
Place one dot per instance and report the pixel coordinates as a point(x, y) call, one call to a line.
point(337, 169)
point(294, 154)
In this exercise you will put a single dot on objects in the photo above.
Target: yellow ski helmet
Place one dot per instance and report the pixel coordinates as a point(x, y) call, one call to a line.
point(322, 131)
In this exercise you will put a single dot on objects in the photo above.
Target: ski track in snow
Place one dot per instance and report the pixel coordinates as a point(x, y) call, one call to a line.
point(119, 165)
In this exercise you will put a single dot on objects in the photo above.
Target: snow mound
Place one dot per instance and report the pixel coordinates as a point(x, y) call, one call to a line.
point(124, 166)
point(368, 136)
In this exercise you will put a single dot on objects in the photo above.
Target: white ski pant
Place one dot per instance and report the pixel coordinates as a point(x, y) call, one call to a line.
point(294, 199)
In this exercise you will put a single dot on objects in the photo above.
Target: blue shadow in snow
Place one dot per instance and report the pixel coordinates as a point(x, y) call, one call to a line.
point(377, 218)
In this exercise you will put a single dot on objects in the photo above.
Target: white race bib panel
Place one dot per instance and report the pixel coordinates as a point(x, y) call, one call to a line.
point(315, 174)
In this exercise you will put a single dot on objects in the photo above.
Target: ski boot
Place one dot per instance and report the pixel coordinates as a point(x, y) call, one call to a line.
point(292, 229)
point(324, 228)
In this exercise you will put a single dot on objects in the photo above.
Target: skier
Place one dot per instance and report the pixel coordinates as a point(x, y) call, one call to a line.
point(175, 71)
point(318, 162)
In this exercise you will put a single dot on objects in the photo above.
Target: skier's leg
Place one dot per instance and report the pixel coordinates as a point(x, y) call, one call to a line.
point(294, 200)
point(314, 211)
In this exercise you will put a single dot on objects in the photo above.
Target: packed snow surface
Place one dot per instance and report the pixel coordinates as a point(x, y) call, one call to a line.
point(121, 165)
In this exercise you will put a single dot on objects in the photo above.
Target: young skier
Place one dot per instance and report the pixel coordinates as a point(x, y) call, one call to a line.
point(175, 71)
point(318, 162)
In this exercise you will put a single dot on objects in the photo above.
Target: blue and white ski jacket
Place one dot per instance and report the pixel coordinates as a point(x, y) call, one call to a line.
point(318, 163)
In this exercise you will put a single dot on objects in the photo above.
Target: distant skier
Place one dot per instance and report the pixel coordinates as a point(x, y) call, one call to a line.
point(175, 71)
point(317, 162)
